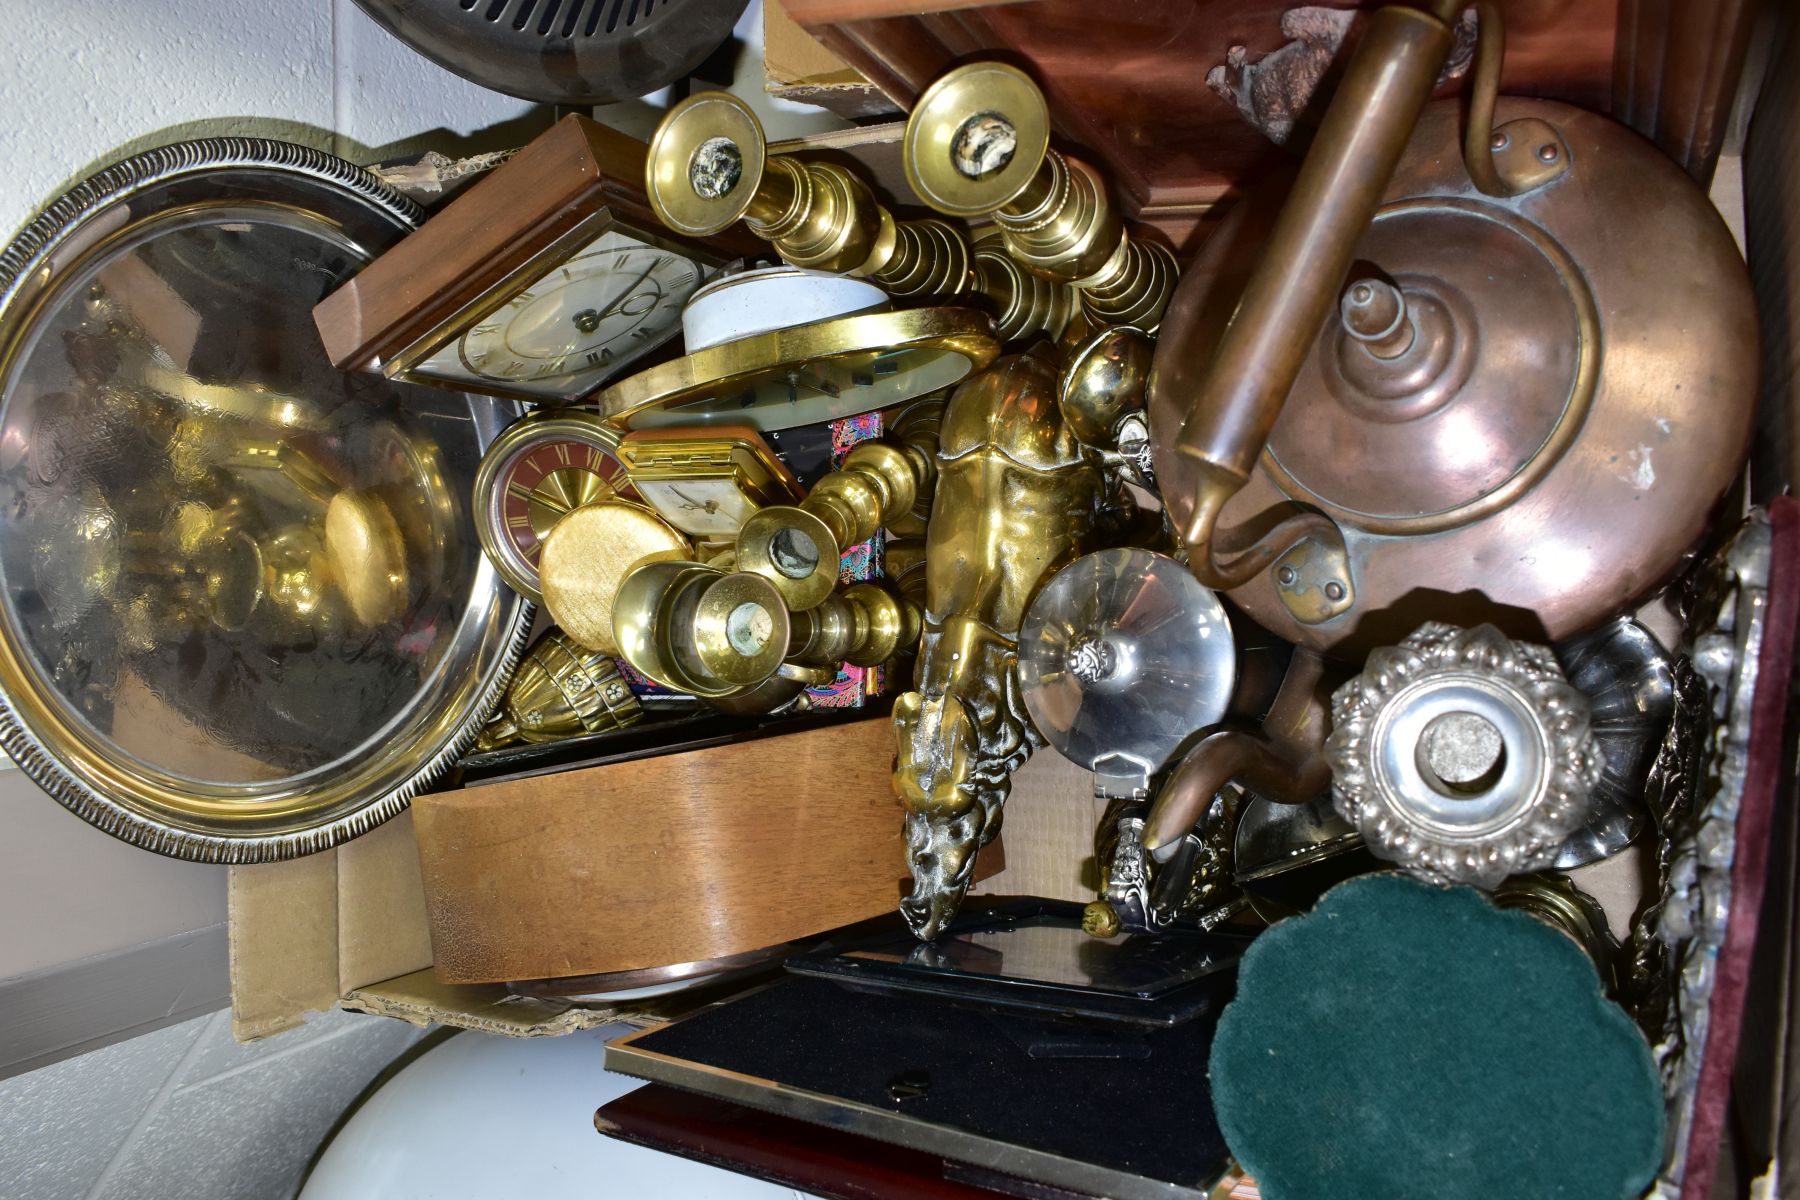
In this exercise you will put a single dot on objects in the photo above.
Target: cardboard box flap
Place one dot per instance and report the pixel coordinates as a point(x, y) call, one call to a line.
point(420, 999)
point(304, 932)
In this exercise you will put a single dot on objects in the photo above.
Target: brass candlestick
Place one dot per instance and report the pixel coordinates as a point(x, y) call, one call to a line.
point(701, 630)
point(978, 142)
point(709, 165)
point(797, 548)
point(916, 427)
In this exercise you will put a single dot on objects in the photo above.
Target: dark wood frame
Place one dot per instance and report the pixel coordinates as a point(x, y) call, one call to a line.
point(544, 203)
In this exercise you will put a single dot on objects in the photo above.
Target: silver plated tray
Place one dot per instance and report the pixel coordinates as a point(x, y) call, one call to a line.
point(243, 613)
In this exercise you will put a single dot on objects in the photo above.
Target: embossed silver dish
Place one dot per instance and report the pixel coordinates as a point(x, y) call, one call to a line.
point(243, 615)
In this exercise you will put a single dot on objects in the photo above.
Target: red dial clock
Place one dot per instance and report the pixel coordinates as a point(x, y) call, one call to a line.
point(536, 472)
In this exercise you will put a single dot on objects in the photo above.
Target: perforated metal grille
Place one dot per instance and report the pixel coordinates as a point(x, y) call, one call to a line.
point(563, 51)
point(566, 18)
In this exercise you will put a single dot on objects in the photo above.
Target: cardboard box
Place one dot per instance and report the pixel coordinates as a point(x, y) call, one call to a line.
point(798, 67)
point(349, 928)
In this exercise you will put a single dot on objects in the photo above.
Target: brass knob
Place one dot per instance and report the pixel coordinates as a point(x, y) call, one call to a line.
point(978, 142)
point(797, 548)
point(1100, 920)
point(1103, 381)
point(1374, 313)
point(709, 166)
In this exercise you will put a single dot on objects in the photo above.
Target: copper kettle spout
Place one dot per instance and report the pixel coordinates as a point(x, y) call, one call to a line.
point(1284, 761)
point(1293, 288)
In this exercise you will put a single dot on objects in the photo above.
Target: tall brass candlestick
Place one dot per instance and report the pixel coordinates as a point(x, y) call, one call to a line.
point(701, 630)
point(709, 165)
point(797, 547)
point(978, 142)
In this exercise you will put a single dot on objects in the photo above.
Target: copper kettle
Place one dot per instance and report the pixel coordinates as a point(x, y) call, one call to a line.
point(1495, 373)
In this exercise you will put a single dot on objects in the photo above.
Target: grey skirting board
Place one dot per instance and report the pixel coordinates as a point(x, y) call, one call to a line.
point(51, 1015)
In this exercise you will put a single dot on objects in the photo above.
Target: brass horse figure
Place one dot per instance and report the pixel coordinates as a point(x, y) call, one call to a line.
point(1018, 497)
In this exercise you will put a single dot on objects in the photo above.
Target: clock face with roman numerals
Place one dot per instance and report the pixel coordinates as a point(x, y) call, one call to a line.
point(537, 471)
point(581, 322)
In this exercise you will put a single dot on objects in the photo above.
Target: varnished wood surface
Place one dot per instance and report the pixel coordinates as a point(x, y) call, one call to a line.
point(677, 859)
point(1677, 73)
point(1127, 82)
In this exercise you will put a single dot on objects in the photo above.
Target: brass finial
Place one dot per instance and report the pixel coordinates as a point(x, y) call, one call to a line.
point(1099, 919)
point(709, 166)
point(561, 689)
point(978, 142)
point(797, 548)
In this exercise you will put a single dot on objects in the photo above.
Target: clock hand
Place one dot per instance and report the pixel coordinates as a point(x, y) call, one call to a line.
point(530, 497)
point(708, 507)
point(626, 293)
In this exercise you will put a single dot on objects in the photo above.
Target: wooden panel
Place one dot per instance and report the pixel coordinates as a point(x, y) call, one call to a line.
point(1128, 81)
point(678, 859)
point(1677, 71)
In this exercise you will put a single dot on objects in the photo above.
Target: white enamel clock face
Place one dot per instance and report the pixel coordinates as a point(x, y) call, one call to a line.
point(703, 508)
point(580, 323)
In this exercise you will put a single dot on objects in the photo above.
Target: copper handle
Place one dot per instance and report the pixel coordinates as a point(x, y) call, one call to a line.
point(1283, 761)
point(1295, 286)
point(1484, 89)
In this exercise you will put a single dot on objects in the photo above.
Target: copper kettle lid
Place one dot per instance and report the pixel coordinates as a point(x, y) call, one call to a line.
point(1527, 406)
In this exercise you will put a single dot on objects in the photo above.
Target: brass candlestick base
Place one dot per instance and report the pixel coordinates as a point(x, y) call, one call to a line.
point(978, 142)
point(709, 165)
point(797, 548)
point(701, 630)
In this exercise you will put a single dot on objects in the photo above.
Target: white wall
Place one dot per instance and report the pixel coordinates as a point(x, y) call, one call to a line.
point(83, 81)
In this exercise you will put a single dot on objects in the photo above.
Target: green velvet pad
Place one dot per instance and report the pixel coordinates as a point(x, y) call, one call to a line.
point(1403, 1040)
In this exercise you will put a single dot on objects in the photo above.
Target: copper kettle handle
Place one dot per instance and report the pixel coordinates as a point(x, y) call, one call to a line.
point(1295, 285)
